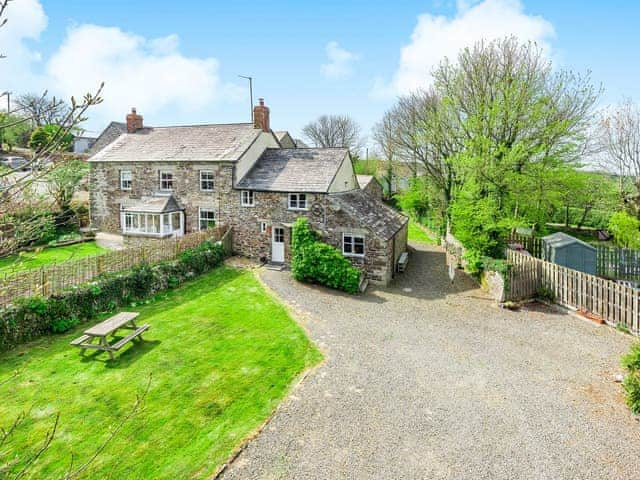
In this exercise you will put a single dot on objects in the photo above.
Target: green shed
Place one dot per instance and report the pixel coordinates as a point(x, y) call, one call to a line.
point(569, 252)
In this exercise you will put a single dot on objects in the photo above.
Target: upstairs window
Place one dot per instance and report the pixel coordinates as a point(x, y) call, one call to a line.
point(246, 198)
point(298, 201)
point(352, 245)
point(206, 181)
point(166, 180)
point(126, 178)
point(206, 218)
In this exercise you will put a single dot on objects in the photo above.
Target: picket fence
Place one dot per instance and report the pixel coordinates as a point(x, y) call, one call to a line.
point(611, 262)
point(616, 304)
point(54, 279)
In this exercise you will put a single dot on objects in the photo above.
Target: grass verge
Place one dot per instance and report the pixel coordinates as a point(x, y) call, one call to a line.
point(222, 353)
point(417, 234)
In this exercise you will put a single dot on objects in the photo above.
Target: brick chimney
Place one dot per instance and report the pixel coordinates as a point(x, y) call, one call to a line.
point(261, 116)
point(134, 121)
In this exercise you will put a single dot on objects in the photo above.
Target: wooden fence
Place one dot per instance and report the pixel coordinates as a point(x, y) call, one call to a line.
point(54, 279)
point(616, 304)
point(612, 262)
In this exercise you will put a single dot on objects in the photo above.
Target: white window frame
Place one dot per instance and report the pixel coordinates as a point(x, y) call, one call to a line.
point(122, 179)
point(210, 174)
point(166, 172)
point(263, 227)
point(352, 244)
point(201, 210)
point(247, 198)
point(294, 199)
point(144, 224)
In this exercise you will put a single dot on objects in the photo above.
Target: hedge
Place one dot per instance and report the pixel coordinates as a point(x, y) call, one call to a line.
point(316, 262)
point(32, 317)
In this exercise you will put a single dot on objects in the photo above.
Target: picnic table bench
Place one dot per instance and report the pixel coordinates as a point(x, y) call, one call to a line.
point(96, 336)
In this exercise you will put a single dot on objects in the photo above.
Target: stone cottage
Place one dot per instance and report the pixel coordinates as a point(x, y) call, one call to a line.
point(154, 182)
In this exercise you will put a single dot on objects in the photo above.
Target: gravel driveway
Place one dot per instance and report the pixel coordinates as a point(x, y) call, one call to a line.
point(429, 380)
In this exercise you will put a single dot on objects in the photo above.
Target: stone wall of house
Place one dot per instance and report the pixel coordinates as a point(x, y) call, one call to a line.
point(270, 207)
point(106, 197)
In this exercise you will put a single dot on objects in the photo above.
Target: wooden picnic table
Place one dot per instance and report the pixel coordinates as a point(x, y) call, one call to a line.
point(96, 336)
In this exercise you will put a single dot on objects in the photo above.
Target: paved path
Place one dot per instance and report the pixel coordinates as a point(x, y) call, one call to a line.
point(426, 380)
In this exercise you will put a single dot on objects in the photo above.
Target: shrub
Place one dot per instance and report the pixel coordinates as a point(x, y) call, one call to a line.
point(632, 390)
point(32, 317)
point(46, 134)
point(545, 293)
point(631, 362)
point(625, 229)
point(475, 224)
point(314, 261)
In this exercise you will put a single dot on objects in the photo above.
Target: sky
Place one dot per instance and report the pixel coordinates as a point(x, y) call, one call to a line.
point(178, 62)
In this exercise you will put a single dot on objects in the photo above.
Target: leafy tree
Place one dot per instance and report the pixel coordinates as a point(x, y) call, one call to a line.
point(494, 134)
point(50, 134)
point(625, 229)
point(334, 131)
point(64, 181)
point(14, 131)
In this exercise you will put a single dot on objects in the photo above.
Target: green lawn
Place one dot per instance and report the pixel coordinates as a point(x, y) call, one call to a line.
point(221, 353)
point(417, 234)
point(47, 256)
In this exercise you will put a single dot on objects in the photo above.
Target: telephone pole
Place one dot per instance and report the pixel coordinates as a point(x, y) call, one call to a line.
point(250, 93)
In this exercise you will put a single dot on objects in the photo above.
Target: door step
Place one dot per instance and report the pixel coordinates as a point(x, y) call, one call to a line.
point(278, 267)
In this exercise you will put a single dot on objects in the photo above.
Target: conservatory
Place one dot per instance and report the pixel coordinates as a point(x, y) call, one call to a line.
point(158, 216)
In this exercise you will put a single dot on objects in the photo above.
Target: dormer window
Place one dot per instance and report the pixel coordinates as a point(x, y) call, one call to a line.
point(247, 198)
point(298, 201)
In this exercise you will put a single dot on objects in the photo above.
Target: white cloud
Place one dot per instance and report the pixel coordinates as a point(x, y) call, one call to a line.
point(26, 20)
point(340, 64)
point(436, 37)
point(151, 75)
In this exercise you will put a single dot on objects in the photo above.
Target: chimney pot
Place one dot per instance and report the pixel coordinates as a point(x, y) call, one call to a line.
point(134, 121)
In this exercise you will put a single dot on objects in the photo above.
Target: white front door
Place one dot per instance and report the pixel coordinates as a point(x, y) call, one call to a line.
point(277, 244)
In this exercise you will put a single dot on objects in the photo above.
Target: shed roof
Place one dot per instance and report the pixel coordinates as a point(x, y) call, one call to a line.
point(372, 213)
point(294, 170)
point(561, 240)
point(219, 142)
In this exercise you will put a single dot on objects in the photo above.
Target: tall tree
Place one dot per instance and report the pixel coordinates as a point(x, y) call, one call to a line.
point(41, 109)
point(334, 131)
point(619, 130)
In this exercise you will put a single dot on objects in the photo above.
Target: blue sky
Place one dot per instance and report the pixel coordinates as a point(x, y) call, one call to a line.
point(190, 74)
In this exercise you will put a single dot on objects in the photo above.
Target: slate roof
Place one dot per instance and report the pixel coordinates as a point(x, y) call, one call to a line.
point(294, 170)
point(108, 135)
point(222, 142)
point(156, 204)
point(372, 213)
